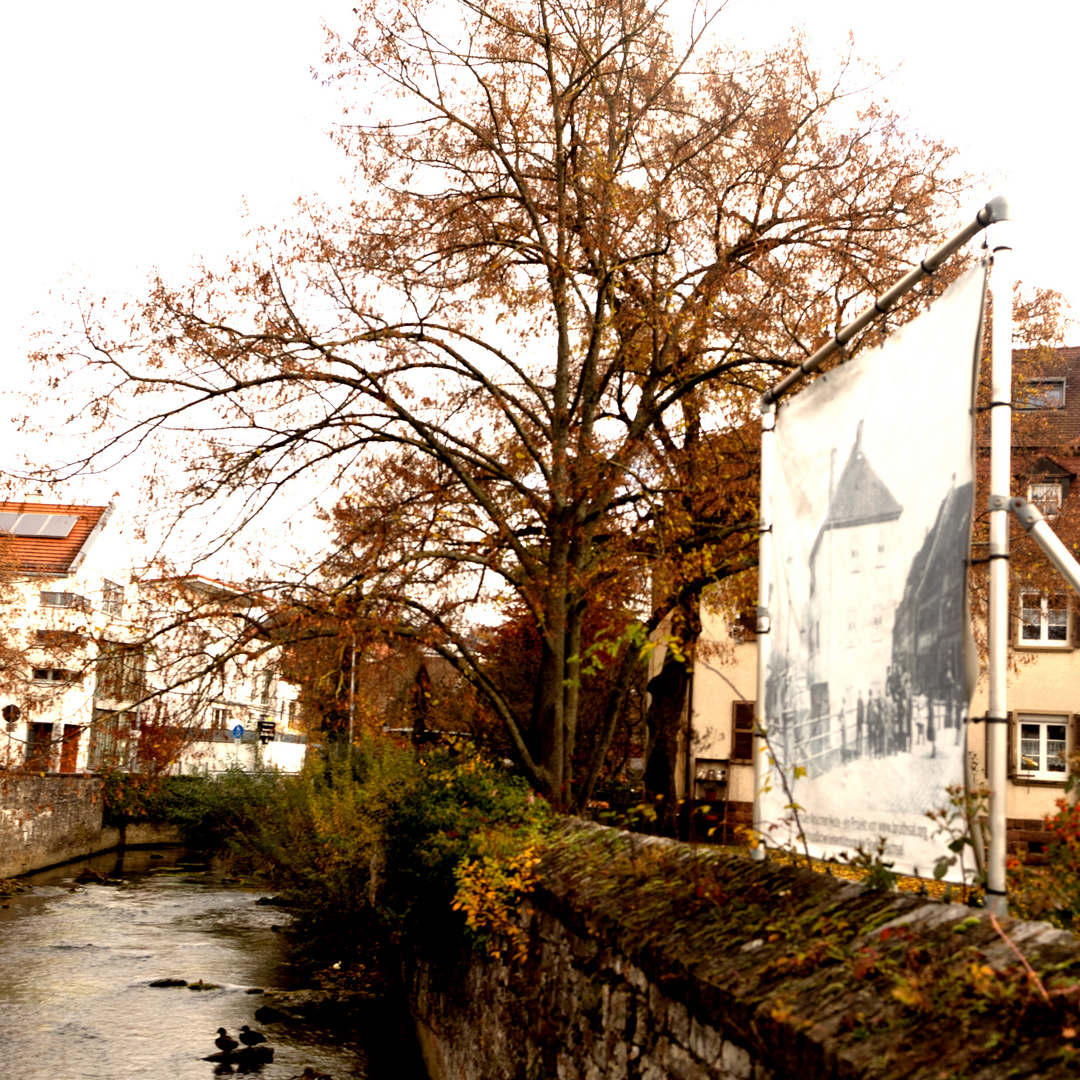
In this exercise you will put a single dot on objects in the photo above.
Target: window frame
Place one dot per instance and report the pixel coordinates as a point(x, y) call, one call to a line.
point(1044, 641)
point(112, 598)
point(53, 676)
point(1043, 721)
point(742, 724)
point(1041, 503)
point(65, 601)
point(1031, 401)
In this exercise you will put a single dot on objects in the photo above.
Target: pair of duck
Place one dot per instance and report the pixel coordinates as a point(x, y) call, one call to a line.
point(226, 1044)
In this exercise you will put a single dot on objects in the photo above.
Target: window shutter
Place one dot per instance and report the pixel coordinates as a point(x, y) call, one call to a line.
point(742, 727)
point(1010, 745)
point(1074, 744)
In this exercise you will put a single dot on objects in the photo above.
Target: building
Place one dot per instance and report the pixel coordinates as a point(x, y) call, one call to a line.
point(65, 585)
point(217, 697)
point(91, 675)
point(1044, 680)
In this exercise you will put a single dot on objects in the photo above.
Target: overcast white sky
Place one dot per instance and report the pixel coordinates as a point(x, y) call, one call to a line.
point(143, 134)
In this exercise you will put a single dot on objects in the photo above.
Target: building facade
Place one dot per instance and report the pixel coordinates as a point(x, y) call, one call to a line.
point(91, 675)
point(1044, 677)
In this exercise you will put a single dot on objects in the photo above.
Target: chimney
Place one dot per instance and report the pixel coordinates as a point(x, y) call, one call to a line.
point(33, 496)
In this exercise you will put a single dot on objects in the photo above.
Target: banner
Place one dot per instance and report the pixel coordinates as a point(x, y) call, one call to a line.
point(867, 692)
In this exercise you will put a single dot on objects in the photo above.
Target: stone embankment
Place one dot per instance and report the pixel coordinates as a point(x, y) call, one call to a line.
point(51, 819)
point(652, 960)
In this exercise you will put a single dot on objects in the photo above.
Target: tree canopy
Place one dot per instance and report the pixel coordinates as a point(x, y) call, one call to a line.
point(578, 249)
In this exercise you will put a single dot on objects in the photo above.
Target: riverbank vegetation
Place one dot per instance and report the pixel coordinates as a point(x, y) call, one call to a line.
point(395, 842)
point(384, 842)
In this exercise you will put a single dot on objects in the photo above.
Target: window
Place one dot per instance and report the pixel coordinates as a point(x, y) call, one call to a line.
point(1044, 619)
point(219, 718)
point(1048, 497)
point(64, 600)
point(120, 672)
point(1041, 394)
point(58, 675)
point(60, 638)
point(112, 598)
point(1042, 747)
point(742, 731)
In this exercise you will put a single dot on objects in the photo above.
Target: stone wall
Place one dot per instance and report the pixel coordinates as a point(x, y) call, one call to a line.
point(645, 959)
point(51, 819)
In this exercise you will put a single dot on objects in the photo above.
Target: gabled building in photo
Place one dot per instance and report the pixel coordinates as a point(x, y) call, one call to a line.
point(1044, 678)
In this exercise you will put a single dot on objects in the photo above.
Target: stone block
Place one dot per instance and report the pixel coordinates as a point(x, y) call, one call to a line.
point(735, 1062)
point(682, 1065)
point(678, 1023)
point(705, 1042)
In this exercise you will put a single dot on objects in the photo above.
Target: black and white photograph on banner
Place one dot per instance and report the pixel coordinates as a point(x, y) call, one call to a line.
point(868, 682)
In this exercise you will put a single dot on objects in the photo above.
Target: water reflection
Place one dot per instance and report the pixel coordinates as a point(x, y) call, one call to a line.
point(77, 961)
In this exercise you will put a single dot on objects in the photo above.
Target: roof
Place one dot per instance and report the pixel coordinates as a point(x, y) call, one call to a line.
point(1044, 429)
point(860, 496)
point(51, 554)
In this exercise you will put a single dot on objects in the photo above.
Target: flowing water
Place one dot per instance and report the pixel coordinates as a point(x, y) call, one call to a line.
point(77, 961)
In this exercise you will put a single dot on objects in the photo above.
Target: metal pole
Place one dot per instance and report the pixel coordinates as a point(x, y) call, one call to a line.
point(997, 717)
point(996, 210)
point(764, 624)
point(352, 691)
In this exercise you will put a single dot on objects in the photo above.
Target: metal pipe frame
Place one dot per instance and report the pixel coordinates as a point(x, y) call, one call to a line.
point(764, 626)
point(996, 210)
point(1035, 525)
point(997, 716)
point(993, 212)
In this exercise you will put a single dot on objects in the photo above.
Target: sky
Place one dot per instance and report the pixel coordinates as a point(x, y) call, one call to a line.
point(142, 136)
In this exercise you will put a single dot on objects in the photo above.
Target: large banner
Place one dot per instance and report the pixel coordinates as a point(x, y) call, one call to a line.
point(867, 690)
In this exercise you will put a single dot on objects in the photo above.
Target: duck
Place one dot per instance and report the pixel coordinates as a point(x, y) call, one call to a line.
point(224, 1042)
point(310, 1074)
point(251, 1038)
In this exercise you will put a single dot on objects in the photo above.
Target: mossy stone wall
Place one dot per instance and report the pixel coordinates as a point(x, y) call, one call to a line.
point(648, 959)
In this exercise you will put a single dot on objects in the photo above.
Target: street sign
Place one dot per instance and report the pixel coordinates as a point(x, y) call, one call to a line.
point(266, 731)
point(238, 731)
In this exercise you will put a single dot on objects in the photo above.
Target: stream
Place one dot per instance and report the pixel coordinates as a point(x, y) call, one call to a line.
point(77, 962)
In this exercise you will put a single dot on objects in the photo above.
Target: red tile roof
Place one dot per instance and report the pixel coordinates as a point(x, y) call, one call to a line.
point(48, 555)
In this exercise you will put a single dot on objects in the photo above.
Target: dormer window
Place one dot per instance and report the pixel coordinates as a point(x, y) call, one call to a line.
point(1048, 497)
point(1041, 394)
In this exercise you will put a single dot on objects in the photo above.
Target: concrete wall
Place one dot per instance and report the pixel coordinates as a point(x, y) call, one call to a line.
point(45, 820)
point(648, 960)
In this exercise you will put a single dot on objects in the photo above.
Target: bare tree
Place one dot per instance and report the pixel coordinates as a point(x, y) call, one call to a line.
point(577, 245)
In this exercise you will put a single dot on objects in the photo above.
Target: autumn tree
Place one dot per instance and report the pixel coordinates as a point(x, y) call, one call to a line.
point(580, 245)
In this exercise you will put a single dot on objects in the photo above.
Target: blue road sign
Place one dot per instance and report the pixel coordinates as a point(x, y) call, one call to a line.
point(238, 731)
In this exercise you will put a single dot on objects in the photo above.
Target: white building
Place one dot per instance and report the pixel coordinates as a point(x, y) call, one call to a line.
point(93, 676)
point(224, 695)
